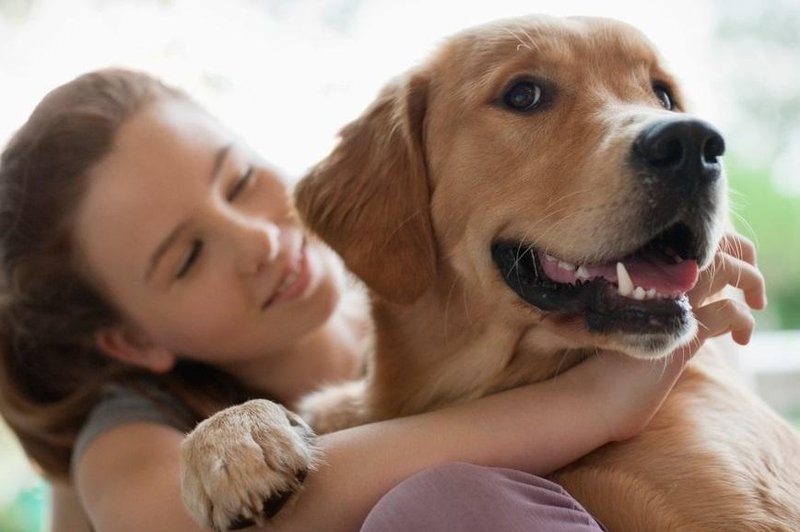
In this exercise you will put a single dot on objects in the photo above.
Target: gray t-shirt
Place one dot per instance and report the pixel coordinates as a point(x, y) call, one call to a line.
point(120, 405)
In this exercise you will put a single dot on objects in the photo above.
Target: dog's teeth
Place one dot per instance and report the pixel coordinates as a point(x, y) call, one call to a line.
point(550, 258)
point(651, 294)
point(639, 293)
point(624, 281)
point(566, 266)
point(582, 272)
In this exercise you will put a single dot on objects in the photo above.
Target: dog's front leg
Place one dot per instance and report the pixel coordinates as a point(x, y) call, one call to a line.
point(244, 464)
point(336, 407)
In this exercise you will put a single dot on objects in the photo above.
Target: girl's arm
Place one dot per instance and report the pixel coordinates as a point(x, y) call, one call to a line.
point(66, 512)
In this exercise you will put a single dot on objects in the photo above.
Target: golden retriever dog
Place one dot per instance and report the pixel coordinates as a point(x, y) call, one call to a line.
point(485, 199)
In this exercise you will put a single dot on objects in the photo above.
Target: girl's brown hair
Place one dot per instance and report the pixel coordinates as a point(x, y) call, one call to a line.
point(51, 374)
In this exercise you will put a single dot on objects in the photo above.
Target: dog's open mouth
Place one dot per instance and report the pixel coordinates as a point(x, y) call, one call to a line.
point(643, 292)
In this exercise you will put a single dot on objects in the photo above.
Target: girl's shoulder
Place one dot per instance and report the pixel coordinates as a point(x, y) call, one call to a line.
point(128, 478)
point(141, 401)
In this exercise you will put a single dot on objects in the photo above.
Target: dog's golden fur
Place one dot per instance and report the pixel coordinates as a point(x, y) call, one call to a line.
point(413, 197)
point(434, 170)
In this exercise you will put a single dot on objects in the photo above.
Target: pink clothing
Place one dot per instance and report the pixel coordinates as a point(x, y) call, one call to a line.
point(468, 498)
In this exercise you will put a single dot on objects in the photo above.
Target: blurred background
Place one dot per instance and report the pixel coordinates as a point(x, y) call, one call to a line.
point(286, 75)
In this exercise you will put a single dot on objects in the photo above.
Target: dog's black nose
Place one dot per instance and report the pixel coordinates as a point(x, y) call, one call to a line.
point(680, 149)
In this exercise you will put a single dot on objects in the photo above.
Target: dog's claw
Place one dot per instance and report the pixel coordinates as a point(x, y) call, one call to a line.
point(242, 466)
point(274, 504)
point(240, 523)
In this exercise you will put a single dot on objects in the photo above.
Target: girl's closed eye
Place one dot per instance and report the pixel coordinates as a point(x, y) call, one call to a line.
point(196, 246)
point(191, 258)
point(240, 183)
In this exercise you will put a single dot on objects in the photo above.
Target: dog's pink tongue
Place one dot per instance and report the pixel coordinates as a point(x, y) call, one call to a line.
point(666, 277)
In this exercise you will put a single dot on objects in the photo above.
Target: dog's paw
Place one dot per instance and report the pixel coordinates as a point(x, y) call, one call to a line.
point(241, 466)
point(336, 407)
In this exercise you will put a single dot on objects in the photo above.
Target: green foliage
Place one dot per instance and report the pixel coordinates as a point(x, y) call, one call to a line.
point(772, 220)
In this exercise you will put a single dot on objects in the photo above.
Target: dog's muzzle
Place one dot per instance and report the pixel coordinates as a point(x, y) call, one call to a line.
point(677, 165)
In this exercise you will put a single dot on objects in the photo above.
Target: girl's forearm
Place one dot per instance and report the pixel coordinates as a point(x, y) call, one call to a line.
point(537, 428)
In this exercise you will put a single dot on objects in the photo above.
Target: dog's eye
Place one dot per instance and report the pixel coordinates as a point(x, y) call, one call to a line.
point(523, 96)
point(664, 97)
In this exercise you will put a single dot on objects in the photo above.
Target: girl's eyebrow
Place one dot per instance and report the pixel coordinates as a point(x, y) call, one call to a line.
point(219, 159)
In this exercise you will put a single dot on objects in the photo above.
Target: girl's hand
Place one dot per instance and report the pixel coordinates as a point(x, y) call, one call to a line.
point(629, 391)
point(735, 265)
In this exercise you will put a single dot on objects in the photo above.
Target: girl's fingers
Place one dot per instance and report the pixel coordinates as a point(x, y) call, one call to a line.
point(729, 270)
point(739, 246)
point(723, 316)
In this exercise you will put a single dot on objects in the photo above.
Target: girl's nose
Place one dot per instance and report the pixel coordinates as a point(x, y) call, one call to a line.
point(258, 246)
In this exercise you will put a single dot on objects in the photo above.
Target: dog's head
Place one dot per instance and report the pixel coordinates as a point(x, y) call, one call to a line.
point(545, 159)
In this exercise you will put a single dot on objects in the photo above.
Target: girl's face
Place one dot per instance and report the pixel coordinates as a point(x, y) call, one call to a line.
point(196, 242)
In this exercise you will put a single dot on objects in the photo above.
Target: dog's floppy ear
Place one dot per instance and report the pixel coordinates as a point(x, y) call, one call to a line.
point(370, 198)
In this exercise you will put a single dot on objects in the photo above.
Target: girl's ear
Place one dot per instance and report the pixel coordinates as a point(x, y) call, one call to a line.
point(132, 348)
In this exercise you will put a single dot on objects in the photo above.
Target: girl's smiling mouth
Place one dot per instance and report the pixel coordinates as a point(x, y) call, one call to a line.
point(295, 279)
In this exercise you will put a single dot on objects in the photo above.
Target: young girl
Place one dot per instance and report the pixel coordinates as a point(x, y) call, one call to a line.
point(154, 272)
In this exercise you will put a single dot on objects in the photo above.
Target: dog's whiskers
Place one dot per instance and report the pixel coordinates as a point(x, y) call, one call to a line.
point(550, 211)
point(562, 197)
point(751, 233)
point(518, 259)
point(703, 325)
point(520, 254)
point(554, 227)
point(535, 241)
